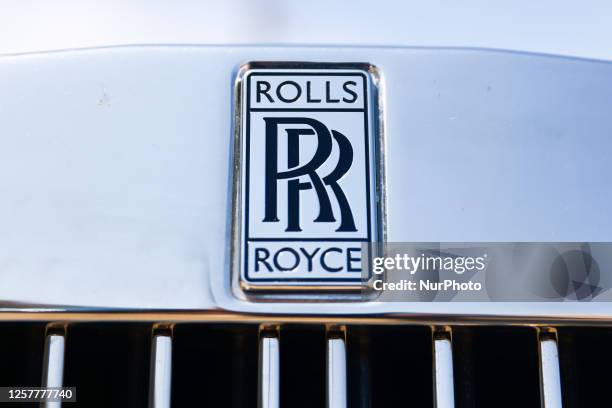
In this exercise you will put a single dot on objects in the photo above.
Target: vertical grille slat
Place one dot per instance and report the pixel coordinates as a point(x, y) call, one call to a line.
point(443, 371)
point(53, 365)
point(53, 370)
point(161, 371)
point(336, 371)
point(269, 370)
point(549, 370)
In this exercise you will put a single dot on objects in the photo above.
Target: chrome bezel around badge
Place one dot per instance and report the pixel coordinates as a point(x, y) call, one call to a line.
point(286, 291)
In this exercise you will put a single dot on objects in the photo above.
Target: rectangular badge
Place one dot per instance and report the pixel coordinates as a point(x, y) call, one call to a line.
point(308, 191)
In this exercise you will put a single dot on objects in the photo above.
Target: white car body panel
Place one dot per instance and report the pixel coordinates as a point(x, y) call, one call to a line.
point(115, 167)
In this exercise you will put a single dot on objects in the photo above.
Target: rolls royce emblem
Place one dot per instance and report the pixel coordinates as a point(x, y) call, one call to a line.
point(323, 150)
point(307, 175)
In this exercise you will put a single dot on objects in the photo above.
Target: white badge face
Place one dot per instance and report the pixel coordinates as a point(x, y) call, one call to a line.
point(307, 182)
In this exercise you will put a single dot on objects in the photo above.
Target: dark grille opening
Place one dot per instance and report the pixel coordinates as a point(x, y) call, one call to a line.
point(22, 347)
point(215, 365)
point(358, 365)
point(496, 367)
point(109, 364)
point(585, 357)
point(302, 366)
point(389, 366)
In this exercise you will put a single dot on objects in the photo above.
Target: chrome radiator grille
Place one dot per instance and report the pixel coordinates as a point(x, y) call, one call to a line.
point(310, 364)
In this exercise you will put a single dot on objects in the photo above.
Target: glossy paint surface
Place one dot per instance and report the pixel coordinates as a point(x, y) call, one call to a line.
point(115, 167)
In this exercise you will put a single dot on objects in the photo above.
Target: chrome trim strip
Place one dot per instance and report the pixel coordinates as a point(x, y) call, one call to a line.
point(269, 371)
point(550, 375)
point(444, 389)
point(336, 372)
point(53, 368)
point(161, 371)
point(155, 316)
